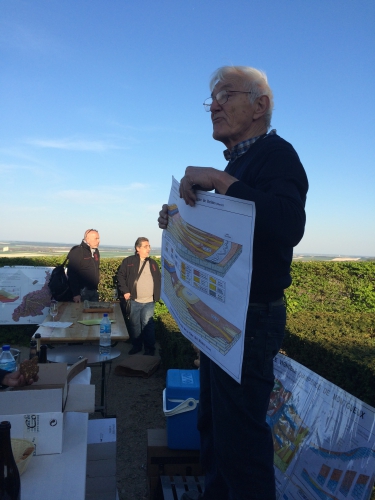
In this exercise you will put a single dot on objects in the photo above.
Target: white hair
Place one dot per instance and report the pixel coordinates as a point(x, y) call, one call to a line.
point(255, 81)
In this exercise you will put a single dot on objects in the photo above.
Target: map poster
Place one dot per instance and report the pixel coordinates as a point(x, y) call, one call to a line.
point(324, 438)
point(24, 294)
point(206, 273)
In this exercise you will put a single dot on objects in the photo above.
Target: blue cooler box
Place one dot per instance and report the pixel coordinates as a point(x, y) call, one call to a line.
point(180, 406)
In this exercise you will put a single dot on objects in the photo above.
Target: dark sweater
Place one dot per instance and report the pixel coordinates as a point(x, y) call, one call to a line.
point(83, 268)
point(271, 175)
point(128, 272)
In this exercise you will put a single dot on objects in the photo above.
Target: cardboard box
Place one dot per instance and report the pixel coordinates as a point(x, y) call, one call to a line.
point(180, 405)
point(163, 461)
point(101, 483)
point(36, 412)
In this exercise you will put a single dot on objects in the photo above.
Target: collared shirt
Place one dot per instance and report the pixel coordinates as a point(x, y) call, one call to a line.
point(242, 147)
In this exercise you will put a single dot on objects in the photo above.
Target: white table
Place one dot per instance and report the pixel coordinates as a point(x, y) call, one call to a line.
point(61, 476)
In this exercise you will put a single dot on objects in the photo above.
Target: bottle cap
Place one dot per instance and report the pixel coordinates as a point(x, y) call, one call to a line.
point(105, 315)
point(6, 347)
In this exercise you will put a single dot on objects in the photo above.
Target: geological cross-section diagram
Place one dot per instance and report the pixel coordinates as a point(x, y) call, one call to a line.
point(199, 317)
point(205, 250)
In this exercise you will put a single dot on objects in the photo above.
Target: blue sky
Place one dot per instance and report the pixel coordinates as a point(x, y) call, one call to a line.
point(101, 103)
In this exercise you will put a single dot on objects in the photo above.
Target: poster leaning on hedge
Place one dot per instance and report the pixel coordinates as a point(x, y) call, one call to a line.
point(24, 294)
point(324, 438)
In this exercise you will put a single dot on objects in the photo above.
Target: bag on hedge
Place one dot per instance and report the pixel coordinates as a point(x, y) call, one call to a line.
point(128, 308)
point(59, 285)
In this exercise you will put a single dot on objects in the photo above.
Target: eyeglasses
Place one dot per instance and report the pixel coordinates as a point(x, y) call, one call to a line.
point(221, 97)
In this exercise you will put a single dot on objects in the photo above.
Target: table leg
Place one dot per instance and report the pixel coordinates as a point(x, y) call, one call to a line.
point(103, 394)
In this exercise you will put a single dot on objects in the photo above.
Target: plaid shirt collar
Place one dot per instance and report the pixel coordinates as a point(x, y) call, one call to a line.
point(242, 147)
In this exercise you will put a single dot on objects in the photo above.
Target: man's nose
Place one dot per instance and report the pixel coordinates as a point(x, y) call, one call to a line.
point(215, 106)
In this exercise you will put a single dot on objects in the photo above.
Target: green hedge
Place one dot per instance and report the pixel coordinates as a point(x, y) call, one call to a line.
point(342, 287)
point(339, 347)
point(176, 350)
point(317, 286)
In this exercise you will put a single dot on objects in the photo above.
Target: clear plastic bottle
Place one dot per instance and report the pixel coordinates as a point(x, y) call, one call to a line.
point(105, 335)
point(7, 361)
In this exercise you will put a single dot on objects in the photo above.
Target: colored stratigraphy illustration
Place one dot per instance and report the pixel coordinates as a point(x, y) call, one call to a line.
point(209, 252)
point(288, 429)
point(197, 315)
point(327, 483)
point(8, 294)
point(33, 303)
point(358, 486)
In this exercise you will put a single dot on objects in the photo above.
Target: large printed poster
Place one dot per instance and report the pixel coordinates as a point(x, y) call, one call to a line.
point(206, 272)
point(324, 438)
point(24, 294)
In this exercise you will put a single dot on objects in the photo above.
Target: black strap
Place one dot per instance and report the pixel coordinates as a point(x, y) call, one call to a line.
point(137, 278)
point(67, 257)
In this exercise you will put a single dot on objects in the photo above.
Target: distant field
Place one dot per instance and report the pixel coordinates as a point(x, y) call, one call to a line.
point(35, 249)
point(31, 249)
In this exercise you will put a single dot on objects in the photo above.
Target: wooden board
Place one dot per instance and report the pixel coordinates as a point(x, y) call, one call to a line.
point(72, 312)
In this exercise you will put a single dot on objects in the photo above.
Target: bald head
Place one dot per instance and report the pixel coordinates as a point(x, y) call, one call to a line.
point(92, 238)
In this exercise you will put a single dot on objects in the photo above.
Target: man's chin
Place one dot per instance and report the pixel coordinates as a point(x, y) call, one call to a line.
point(218, 137)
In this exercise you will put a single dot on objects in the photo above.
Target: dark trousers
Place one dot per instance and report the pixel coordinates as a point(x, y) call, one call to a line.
point(236, 441)
point(141, 323)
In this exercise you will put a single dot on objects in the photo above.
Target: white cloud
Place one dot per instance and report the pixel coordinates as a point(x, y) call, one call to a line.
point(70, 144)
point(19, 37)
point(111, 194)
point(6, 168)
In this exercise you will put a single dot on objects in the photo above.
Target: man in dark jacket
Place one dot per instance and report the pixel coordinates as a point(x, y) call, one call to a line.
point(236, 442)
point(83, 268)
point(143, 290)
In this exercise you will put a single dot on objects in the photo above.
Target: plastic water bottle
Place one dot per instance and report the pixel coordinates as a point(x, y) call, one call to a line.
point(105, 335)
point(7, 361)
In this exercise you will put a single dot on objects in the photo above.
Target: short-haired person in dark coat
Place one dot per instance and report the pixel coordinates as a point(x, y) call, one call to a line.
point(236, 442)
point(142, 293)
point(83, 268)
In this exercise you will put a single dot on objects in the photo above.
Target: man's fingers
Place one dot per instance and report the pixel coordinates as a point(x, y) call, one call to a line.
point(163, 217)
point(187, 192)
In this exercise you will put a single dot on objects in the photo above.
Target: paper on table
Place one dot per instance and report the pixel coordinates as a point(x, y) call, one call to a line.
point(102, 430)
point(89, 322)
point(57, 324)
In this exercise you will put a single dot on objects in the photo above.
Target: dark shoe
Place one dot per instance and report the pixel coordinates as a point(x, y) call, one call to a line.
point(191, 495)
point(149, 352)
point(134, 350)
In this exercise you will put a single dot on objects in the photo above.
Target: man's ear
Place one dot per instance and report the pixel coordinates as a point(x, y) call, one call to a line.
point(261, 106)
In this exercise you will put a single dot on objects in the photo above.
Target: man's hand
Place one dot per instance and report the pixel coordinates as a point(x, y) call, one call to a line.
point(205, 179)
point(126, 296)
point(163, 217)
point(15, 379)
point(77, 299)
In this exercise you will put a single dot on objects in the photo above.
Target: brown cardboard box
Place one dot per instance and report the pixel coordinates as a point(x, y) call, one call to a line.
point(36, 412)
point(162, 461)
point(101, 482)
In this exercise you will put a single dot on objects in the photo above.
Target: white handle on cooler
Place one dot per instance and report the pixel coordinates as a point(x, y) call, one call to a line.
point(185, 405)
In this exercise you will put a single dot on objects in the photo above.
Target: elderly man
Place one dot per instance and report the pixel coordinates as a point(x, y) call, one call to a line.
point(236, 442)
point(139, 281)
point(83, 268)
